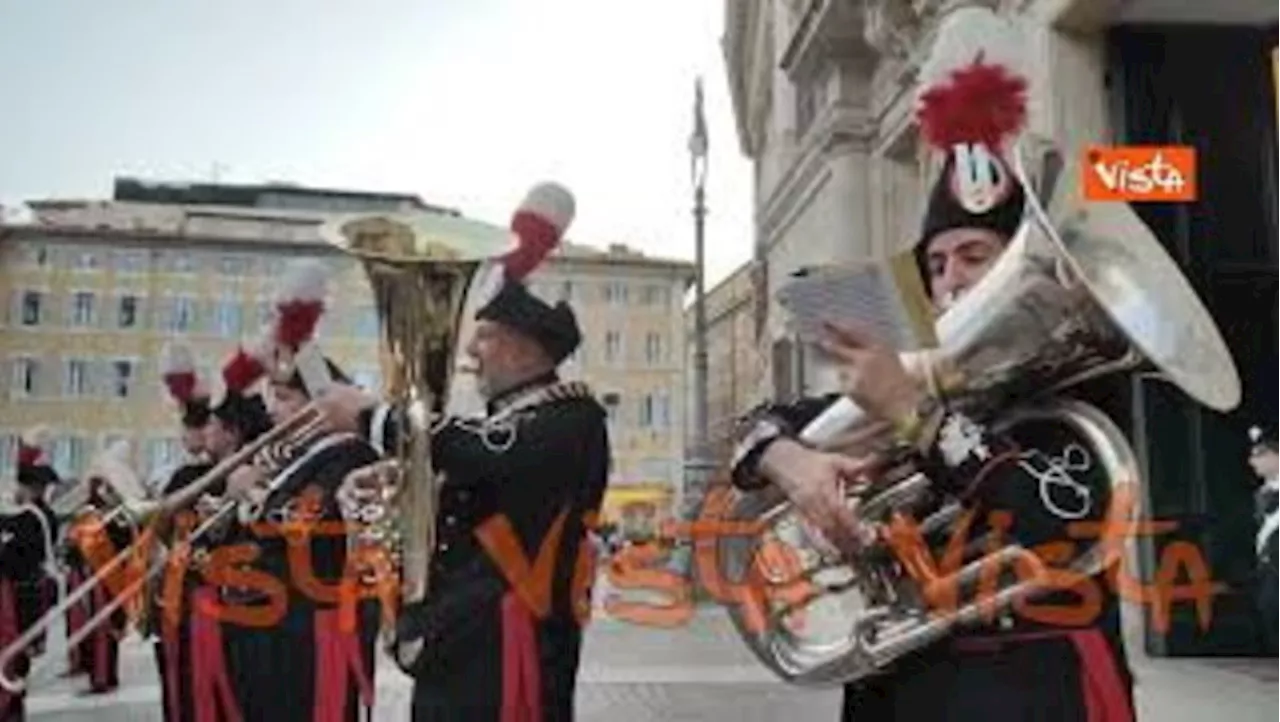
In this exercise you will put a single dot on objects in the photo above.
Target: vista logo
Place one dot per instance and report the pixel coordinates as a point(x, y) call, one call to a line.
point(1137, 173)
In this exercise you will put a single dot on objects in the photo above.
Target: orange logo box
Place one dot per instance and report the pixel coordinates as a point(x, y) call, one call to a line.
point(1140, 173)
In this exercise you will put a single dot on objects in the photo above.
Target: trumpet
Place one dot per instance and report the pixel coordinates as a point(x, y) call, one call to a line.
point(270, 452)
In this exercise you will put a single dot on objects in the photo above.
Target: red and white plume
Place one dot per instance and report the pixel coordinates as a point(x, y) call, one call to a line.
point(249, 363)
point(539, 225)
point(31, 447)
point(178, 371)
point(300, 303)
point(973, 85)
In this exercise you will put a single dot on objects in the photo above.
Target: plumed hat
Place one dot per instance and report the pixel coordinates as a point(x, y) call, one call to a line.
point(971, 105)
point(299, 305)
point(178, 372)
point(538, 225)
point(555, 328)
point(34, 470)
point(239, 407)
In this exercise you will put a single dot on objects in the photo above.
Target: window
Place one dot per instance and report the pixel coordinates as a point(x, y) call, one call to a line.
point(234, 266)
point(35, 255)
point(123, 373)
point(82, 309)
point(615, 292)
point(8, 450)
point(646, 411)
point(655, 296)
point(183, 315)
point(26, 375)
point(70, 454)
point(76, 380)
point(84, 260)
point(127, 314)
point(653, 348)
point(130, 261)
point(227, 318)
point(662, 411)
point(31, 307)
point(612, 346)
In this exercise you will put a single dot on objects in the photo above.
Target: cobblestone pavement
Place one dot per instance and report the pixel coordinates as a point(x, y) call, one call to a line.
point(632, 673)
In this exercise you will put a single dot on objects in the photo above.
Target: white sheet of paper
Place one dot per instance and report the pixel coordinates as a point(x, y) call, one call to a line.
point(866, 294)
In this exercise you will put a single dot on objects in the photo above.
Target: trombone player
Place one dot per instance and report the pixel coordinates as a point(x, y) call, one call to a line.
point(111, 483)
point(1044, 475)
point(27, 536)
point(327, 669)
point(172, 639)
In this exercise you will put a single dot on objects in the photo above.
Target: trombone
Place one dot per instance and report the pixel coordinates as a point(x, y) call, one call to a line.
point(271, 452)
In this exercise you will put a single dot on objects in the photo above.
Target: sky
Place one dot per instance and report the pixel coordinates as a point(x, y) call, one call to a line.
point(467, 103)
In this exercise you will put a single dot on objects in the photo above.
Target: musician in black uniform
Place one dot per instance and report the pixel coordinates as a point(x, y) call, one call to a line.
point(324, 668)
point(1043, 474)
point(1264, 458)
point(535, 465)
point(171, 629)
point(26, 555)
point(99, 654)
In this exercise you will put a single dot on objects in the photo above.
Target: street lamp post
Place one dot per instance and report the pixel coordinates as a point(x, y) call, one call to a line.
point(698, 462)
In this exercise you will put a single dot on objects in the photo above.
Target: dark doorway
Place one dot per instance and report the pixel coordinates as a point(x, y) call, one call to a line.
point(1213, 89)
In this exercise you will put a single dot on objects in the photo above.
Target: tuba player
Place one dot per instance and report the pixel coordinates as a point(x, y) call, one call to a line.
point(1013, 668)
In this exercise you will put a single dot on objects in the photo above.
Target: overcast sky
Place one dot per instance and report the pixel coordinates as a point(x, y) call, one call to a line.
point(465, 102)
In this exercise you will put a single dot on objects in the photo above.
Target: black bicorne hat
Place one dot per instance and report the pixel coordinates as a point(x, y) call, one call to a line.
point(972, 107)
point(555, 328)
point(34, 470)
point(196, 412)
point(978, 192)
point(246, 413)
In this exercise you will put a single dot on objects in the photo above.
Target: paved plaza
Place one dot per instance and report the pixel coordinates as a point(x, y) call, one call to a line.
point(633, 673)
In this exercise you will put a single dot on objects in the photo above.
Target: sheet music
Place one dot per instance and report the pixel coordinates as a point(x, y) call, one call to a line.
point(877, 294)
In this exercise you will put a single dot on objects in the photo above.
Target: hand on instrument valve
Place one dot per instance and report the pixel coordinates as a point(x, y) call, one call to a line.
point(818, 483)
point(244, 482)
point(341, 405)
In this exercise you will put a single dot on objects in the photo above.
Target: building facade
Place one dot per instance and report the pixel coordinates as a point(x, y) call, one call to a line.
point(93, 290)
point(735, 368)
point(824, 95)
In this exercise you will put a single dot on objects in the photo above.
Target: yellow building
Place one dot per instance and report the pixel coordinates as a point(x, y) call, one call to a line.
point(734, 359)
point(94, 289)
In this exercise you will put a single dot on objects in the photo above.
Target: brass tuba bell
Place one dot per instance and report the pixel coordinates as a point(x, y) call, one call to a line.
point(1098, 296)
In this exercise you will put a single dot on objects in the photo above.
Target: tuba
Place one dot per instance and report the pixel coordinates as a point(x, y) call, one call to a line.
point(425, 271)
point(1092, 294)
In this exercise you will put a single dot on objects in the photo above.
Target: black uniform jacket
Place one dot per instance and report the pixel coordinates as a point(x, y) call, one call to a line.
point(1041, 483)
point(538, 464)
point(26, 547)
point(305, 487)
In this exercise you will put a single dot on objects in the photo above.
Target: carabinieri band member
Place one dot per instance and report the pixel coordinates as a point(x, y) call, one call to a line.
point(1018, 669)
point(27, 536)
point(99, 654)
point(536, 464)
point(237, 418)
point(172, 629)
point(326, 666)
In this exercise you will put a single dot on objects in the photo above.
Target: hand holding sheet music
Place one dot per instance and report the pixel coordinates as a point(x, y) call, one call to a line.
point(885, 296)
